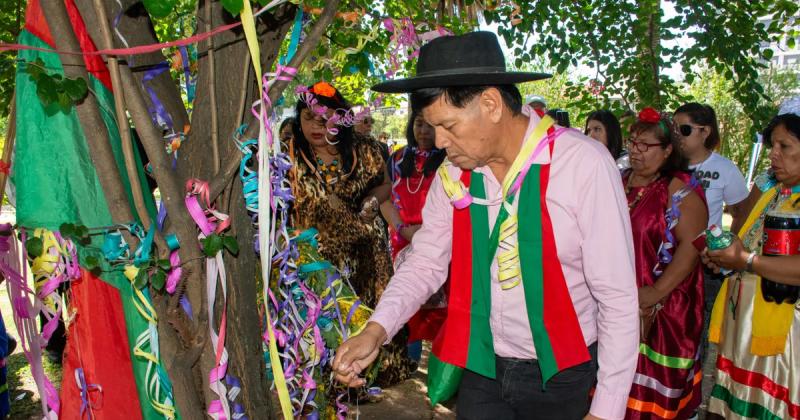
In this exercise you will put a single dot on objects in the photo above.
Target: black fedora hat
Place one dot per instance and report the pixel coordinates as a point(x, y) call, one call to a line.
point(473, 59)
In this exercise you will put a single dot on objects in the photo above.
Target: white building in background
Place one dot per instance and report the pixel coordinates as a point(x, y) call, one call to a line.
point(783, 56)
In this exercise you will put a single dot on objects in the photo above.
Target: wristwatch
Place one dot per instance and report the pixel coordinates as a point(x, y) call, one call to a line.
point(749, 264)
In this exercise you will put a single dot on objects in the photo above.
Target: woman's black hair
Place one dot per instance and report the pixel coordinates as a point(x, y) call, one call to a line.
point(431, 164)
point(344, 137)
point(662, 130)
point(789, 121)
point(613, 130)
point(703, 115)
point(285, 122)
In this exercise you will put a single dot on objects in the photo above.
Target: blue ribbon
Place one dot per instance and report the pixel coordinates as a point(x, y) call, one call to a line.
point(187, 74)
point(172, 241)
point(308, 235)
point(114, 246)
point(315, 266)
point(297, 29)
point(142, 253)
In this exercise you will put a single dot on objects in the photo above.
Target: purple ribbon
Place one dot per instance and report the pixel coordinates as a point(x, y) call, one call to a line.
point(158, 113)
point(86, 405)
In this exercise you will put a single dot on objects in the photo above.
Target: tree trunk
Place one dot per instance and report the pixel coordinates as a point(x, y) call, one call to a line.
point(186, 353)
point(231, 59)
point(648, 27)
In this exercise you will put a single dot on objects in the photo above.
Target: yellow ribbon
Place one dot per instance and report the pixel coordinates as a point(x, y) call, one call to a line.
point(249, 26)
point(771, 322)
point(509, 271)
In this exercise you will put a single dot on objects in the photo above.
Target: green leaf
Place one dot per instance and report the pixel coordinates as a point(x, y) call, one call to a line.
point(159, 8)
point(34, 70)
point(158, 279)
point(164, 265)
point(212, 245)
point(76, 88)
point(231, 244)
point(91, 262)
point(67, 229)
point(64, 102)
point(141, 280)
point(767, 54)
point(47, 90)
point(790, 42)
point(233, 7)
point(34, 246)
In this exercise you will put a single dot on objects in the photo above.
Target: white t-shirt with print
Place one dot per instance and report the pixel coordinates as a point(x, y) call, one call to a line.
point(723, 183)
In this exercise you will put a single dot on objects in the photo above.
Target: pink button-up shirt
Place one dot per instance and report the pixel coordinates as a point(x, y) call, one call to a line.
point(590, 218)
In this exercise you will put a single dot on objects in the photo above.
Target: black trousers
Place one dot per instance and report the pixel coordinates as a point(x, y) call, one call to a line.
point(517, 393)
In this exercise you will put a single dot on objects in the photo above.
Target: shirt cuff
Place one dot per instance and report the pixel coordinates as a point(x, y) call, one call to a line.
point(608, 406)
point(387, 322)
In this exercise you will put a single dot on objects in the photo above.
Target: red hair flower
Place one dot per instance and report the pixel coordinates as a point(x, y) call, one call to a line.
point(323, 89)
point(649, 115)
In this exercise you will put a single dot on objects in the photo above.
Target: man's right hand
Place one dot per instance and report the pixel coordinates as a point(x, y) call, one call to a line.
point(357, 353)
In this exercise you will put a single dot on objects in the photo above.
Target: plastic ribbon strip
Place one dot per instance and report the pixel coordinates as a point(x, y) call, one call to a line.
point(159, 389)
point(158, 113)
point(174, 275)
point(266, 231)
point(671, 216)
point(26, 305)
point(211, 221)
point(143, 49)
point(86, 405)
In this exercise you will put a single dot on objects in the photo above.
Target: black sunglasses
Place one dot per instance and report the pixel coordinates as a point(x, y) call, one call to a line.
point(686, 129)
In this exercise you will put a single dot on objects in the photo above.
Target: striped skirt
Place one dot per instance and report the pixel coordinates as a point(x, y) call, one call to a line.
point(755, 387)
point(668, 379)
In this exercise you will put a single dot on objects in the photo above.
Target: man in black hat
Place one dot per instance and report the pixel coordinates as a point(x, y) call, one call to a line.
point(531, 221)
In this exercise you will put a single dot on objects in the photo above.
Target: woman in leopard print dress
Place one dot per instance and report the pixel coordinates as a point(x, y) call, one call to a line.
point(340, 180)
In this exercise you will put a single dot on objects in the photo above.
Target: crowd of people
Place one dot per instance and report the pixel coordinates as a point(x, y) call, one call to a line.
point(553, 282)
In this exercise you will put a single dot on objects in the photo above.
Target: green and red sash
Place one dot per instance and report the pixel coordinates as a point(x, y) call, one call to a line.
point(465, 340)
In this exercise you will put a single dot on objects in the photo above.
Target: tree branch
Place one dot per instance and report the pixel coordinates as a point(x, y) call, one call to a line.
point(312, 39)
point(212, 95)
point(122, 119)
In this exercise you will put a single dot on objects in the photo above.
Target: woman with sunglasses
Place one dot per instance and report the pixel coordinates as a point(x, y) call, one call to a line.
point(697, 130)
point(667, 215)
point(340, 180)
point(758, 330)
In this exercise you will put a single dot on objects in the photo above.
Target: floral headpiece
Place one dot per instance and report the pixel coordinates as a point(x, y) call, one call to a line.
point(341, 117)
point(323, 89)
point(652, 116)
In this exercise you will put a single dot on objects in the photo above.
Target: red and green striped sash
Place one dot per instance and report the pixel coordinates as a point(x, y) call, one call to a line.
point(465, 340)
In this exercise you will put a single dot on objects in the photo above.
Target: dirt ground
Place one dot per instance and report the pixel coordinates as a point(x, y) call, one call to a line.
point(405, 401)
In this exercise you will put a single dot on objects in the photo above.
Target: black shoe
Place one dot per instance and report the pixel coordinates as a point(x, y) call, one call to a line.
point(12, 345)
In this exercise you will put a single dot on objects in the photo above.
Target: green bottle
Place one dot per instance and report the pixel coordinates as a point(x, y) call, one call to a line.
point(717, 239)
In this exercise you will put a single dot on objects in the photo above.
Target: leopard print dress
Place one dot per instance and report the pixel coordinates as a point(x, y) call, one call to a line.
point(354, 246)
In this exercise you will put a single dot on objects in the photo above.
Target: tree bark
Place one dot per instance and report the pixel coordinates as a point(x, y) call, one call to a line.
point(186, 353)
point(89, 114)
point(244, 342)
